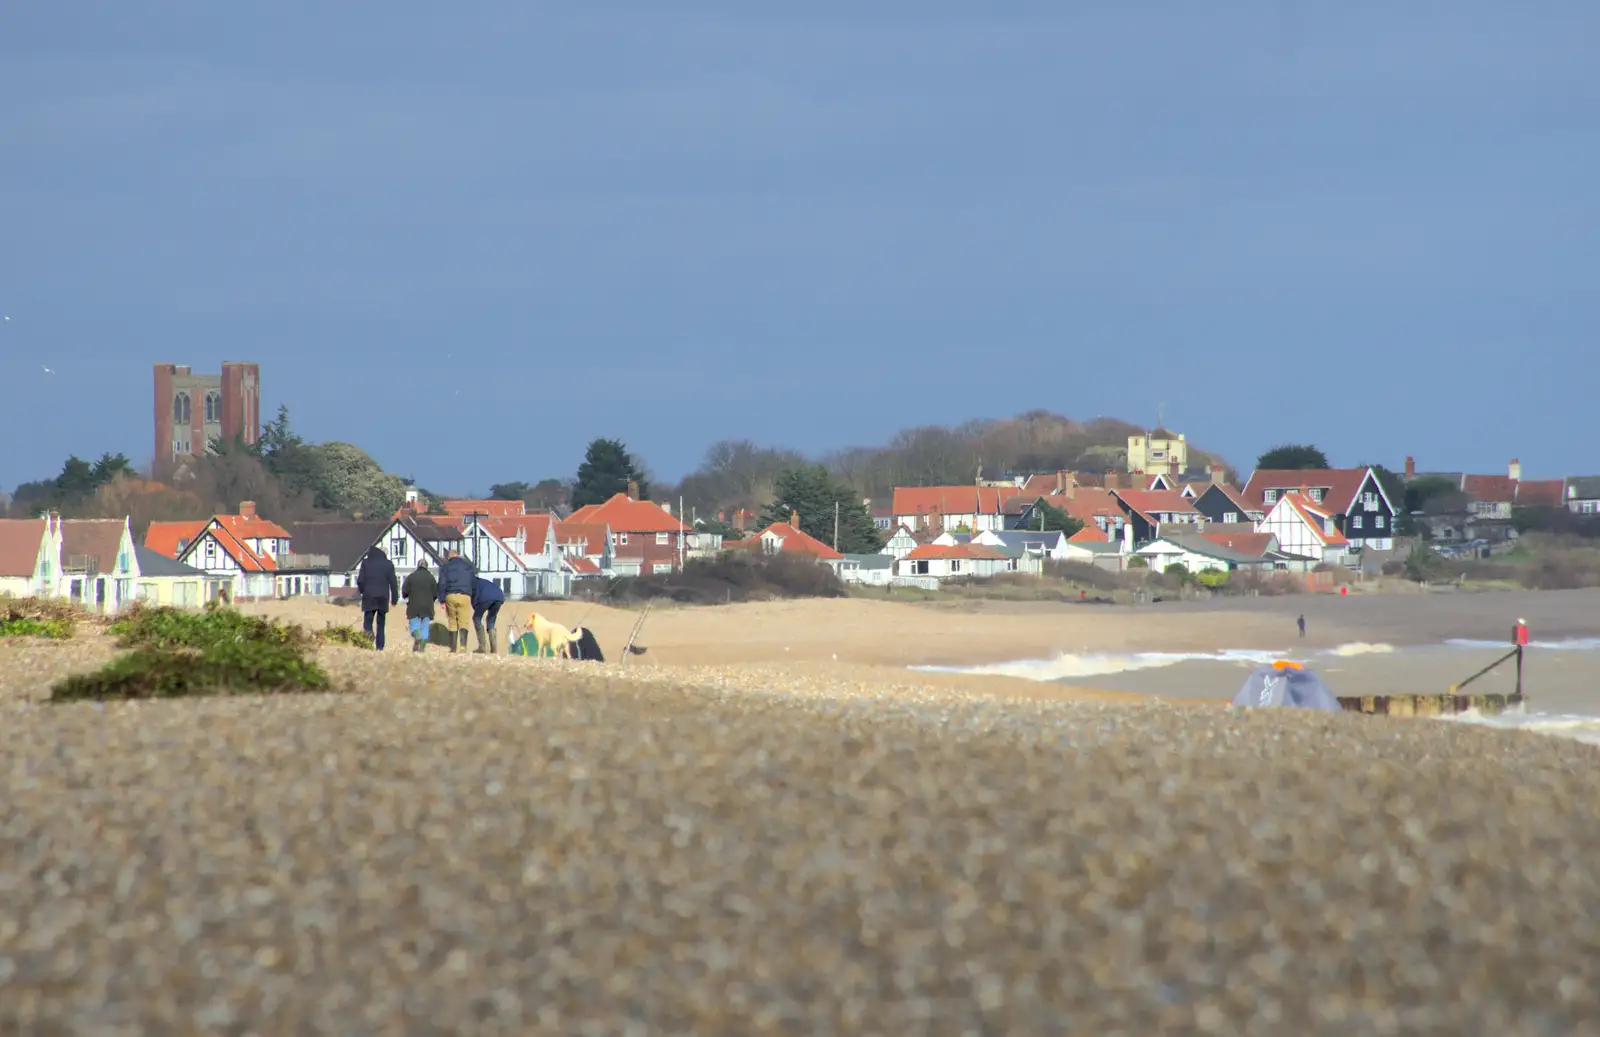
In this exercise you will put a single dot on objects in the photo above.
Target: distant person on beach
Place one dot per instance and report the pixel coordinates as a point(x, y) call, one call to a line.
point(487, 597)
point(456, 584)
point(419, 590)
point(379, 589)
point(1301, 623)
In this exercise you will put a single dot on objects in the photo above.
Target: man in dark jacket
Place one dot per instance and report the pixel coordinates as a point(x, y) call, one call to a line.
point(487, 597)
point(456, 583)
point(378, 587)
point(418, 590)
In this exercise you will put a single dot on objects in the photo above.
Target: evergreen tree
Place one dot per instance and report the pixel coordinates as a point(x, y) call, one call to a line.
point(810, 492)
point(1292, 457)
point(1048, 518)
point(606, 471)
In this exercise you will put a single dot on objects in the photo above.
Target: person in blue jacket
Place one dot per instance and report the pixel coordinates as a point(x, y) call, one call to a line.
point(487, 597)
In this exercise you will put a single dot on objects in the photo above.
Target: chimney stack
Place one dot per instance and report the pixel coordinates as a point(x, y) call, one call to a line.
point(633, 489)
point(1216, 473)
point(247, 509)
point(1411, 467)
point(1514, 469)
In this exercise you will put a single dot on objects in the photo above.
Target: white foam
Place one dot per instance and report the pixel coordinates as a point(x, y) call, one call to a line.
point(1571, 644)
point(1576, 726)
point(1068, 666)
point(1360, 648)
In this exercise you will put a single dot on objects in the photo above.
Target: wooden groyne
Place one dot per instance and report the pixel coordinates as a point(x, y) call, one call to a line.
point(1446, 704)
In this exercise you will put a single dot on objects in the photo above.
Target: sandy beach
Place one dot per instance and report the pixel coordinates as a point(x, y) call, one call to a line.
point(736, 833)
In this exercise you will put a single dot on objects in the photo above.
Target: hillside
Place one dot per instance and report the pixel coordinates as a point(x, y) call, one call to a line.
point(738, 473)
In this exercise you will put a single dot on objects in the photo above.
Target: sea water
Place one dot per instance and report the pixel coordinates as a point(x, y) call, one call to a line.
point(1070, 667)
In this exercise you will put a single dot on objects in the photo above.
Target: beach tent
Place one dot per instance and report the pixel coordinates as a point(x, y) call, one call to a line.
point(586, 648)
point(1286, 684)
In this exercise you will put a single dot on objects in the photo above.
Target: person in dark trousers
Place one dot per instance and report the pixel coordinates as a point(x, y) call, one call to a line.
point(487, 597)
point(419, 590)
point(456, 583)
point(379, 589)
point(1301, 622)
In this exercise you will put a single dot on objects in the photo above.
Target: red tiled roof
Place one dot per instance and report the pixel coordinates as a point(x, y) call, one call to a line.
point(1089, 534)
point(955, 551)
point(625, 515)
point(492, 508)
point(1046, 483)
point(1254, 544)
point(952, 500)
point(253, 527)
point(1490, 488)
point(1340, 485)
point(590, 535)
point(238, 550)
point(799, 542)
point(534, 527)
point(170, 538)
point(1151, 502)
point(1541, 493)
point(580, 565)
point(20, 540)
point(1088, 503)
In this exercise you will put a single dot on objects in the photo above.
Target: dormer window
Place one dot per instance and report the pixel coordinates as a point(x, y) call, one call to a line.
point(1316, 495)
point(1270, 497)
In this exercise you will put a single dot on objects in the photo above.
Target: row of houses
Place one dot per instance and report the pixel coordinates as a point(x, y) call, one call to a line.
point(94, 562)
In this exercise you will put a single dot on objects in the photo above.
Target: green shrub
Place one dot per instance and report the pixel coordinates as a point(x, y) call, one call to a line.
point(227, 668)
point(1212, 578)
point(218, 651)
point(27, 626)
point(39, 617)
point(142, 626)
point(347, 636)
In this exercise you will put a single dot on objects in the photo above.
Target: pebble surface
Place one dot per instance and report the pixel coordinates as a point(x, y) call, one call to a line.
point(494, 845)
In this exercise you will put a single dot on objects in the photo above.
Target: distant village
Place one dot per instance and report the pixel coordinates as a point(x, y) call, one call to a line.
point(1157, 513)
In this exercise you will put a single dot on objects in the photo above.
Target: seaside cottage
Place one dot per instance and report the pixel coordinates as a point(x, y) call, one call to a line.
point(1302, 527)
point(947, 561)
point(99, 567)
point(1353, 498)
point(30, 552)
point(163, 581)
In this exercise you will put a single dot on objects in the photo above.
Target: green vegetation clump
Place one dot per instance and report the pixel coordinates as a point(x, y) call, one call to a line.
point(38, 617)
point(347, 636)
point(218, 651)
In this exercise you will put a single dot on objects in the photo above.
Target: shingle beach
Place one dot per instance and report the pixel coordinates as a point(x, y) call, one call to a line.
point(490, 845)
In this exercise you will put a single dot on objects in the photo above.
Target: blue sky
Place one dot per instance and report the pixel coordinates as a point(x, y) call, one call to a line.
point(470, 242)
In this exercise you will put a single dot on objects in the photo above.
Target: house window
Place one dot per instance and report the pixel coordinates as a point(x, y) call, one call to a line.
point(397, 549)
point(1379, 521)
point(919, 567)
point(211, 553)
point(1355, 521)
point(1011, 564)
point(1370, 501)
point(661, 539)
point(123, 565)
point(1230, 516)
point(661, 567)
point(213, 407)
point(1270, 497)
point(1316, 496)
point(622, 538)
point(181, 412)
point(183, 542)
point(955, 565)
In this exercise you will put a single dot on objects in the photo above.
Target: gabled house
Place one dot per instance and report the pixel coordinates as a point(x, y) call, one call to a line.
point(939, 508)
point(1222, 503)
point(585, 547)
point(99, 567)
point(245, 573)
point(1354, 497)
point(263, 536)
point(870, 570)
point(531, 540)
point(948, 561)
point(647, 539)
point(30, 553)
point(789, 539)
point(1050, 545)
point(1583, 495)
point(1307, 528)
point(900, 543)
point(1541, 493)
point(1150, 512)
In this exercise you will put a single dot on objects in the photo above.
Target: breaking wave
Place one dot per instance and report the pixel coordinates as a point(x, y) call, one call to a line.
point(1575, 726)
point(1571, 644)
point(1359, 648)
point(1068, 666)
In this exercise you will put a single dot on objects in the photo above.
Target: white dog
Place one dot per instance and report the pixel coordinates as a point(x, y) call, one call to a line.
point(554, 637)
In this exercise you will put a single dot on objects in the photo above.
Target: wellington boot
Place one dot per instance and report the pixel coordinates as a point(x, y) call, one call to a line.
point(483, 646)
point(418, 644)
point(494, 642)
point(461, 638)
point(456, 637)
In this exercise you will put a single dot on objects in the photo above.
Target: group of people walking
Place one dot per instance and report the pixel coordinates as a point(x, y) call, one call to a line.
point(458, 589)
